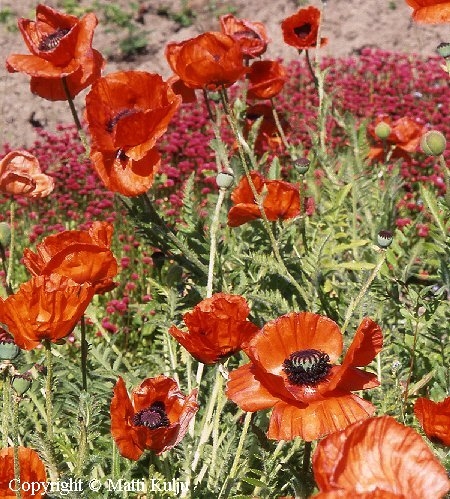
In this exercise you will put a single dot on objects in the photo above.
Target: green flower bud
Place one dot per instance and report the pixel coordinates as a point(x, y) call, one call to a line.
point(21, 383)
point(224, 179)
point(8, 351)
point(5, 234)
point(384, 238)
point(444, 50)
point(433, 143)
point(302, 165)
point(382, 130)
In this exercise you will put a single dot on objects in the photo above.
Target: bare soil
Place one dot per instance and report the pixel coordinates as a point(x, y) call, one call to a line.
point(348, 24)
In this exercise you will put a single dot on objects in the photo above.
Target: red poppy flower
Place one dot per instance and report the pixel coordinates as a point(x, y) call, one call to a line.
point(127, 112)
point(179, 87)
point(268, 135)
point(82, 255)
point(20, 173)
point(251, 35)
point(434, 417)
point(60, 46)
point(217, 327)
point(404, 137)
point(210, 60)
point(430, 11)
point(155, 418)
point(267, 79)
point(281, 201)
point(291, 369)
point(46, 307)
point(32, 471)
point(378, 458)
point(301, 29)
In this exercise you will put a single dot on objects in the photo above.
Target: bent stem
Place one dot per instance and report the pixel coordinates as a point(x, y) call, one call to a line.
point(75, 117)
point(354, 303)
point(213, 246)
point(49, 410)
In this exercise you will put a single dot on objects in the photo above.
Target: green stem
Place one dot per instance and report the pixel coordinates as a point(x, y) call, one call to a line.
point(354, 303)
point(49, 410)
point(15, 426)
point(84, 353)
point(411, 367)
point(446, 173)
point(311, 69)
point(280, 128)
point(6, 412)
point(305, 469)
point(213, 245)
point(12, 244)
point(71, 104)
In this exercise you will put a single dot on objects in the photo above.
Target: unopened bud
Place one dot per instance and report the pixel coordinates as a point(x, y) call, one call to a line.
point(384, 238)
point(8, 351)
point(444, 50)
point(382, 130)
point(21, 383)
point(433, 143)
point(224, 179)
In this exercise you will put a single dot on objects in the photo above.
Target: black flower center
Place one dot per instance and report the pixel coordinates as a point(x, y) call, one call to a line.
point(121, 114)
point(307, 367)
point(303, 31)
point(246, 34)
point(153, 417)
point(52, 40)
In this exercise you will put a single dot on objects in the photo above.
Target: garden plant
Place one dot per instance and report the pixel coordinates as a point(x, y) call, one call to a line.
point(233, 283)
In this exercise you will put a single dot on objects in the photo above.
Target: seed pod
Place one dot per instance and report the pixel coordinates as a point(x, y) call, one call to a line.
point(433, 143)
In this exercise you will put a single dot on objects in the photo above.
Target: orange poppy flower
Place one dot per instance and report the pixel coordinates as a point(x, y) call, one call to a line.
point(282, 200)
point(60, 46)
point(82, 255)
point(291, 369)
point(32, 472)
point(378, 458)
point(156, 417)
point(430, 11)
point(20, 173)
point(404, 137)
point(46, 307)
point(210, 60)
point(434, 417)
point(267, 79)
point(127, 112)
point(301, 29)
point(217, 327)
point(251, 35)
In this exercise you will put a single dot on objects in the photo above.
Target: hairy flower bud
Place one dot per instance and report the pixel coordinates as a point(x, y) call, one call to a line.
point(382, 130)
point(224, 179)
point(433, 143)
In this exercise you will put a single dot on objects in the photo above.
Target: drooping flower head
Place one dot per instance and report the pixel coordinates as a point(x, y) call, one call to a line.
point(293, 369)
point(32, 471)
point(252, 36)
point(83, 255)
point(281, 201)
point(20, 173)
point(156, 416)
point(267, 79)
point(430, 11)
point(434, 417)
point(217, 327)
point(377, 458)
point(127, 112)
point(209, 61)
point(60, 46)
point(301, 29)
point(46, 307)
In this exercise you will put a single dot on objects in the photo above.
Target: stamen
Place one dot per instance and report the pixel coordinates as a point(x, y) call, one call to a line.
point(307, 367)
point(303, 31)
point(52, 40)
point(121, 114)
point(153, 417)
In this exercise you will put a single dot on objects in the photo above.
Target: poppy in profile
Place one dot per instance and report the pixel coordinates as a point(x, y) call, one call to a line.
point(434, 417)
point(60, 46)
point(82, 255)
point(430, 11)
point(302, 29)
point(46, 307)
point(156, 416)
point(252, 36)
point(378, 458)
point(32, 471)
point(20, 173)
point(209, 61)
point(404, 137)
point(267, 79)
point(281, 200)
point(217, 327)
point(292, 369)
point(127, 112)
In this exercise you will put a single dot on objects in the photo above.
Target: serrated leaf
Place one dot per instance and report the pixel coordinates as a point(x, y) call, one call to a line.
point(433, 207)
point(339, 248)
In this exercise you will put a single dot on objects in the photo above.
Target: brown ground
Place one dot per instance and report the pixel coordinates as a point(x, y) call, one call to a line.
point(349, 25)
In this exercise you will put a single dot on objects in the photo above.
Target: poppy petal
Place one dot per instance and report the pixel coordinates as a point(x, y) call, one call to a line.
point(434, 417)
